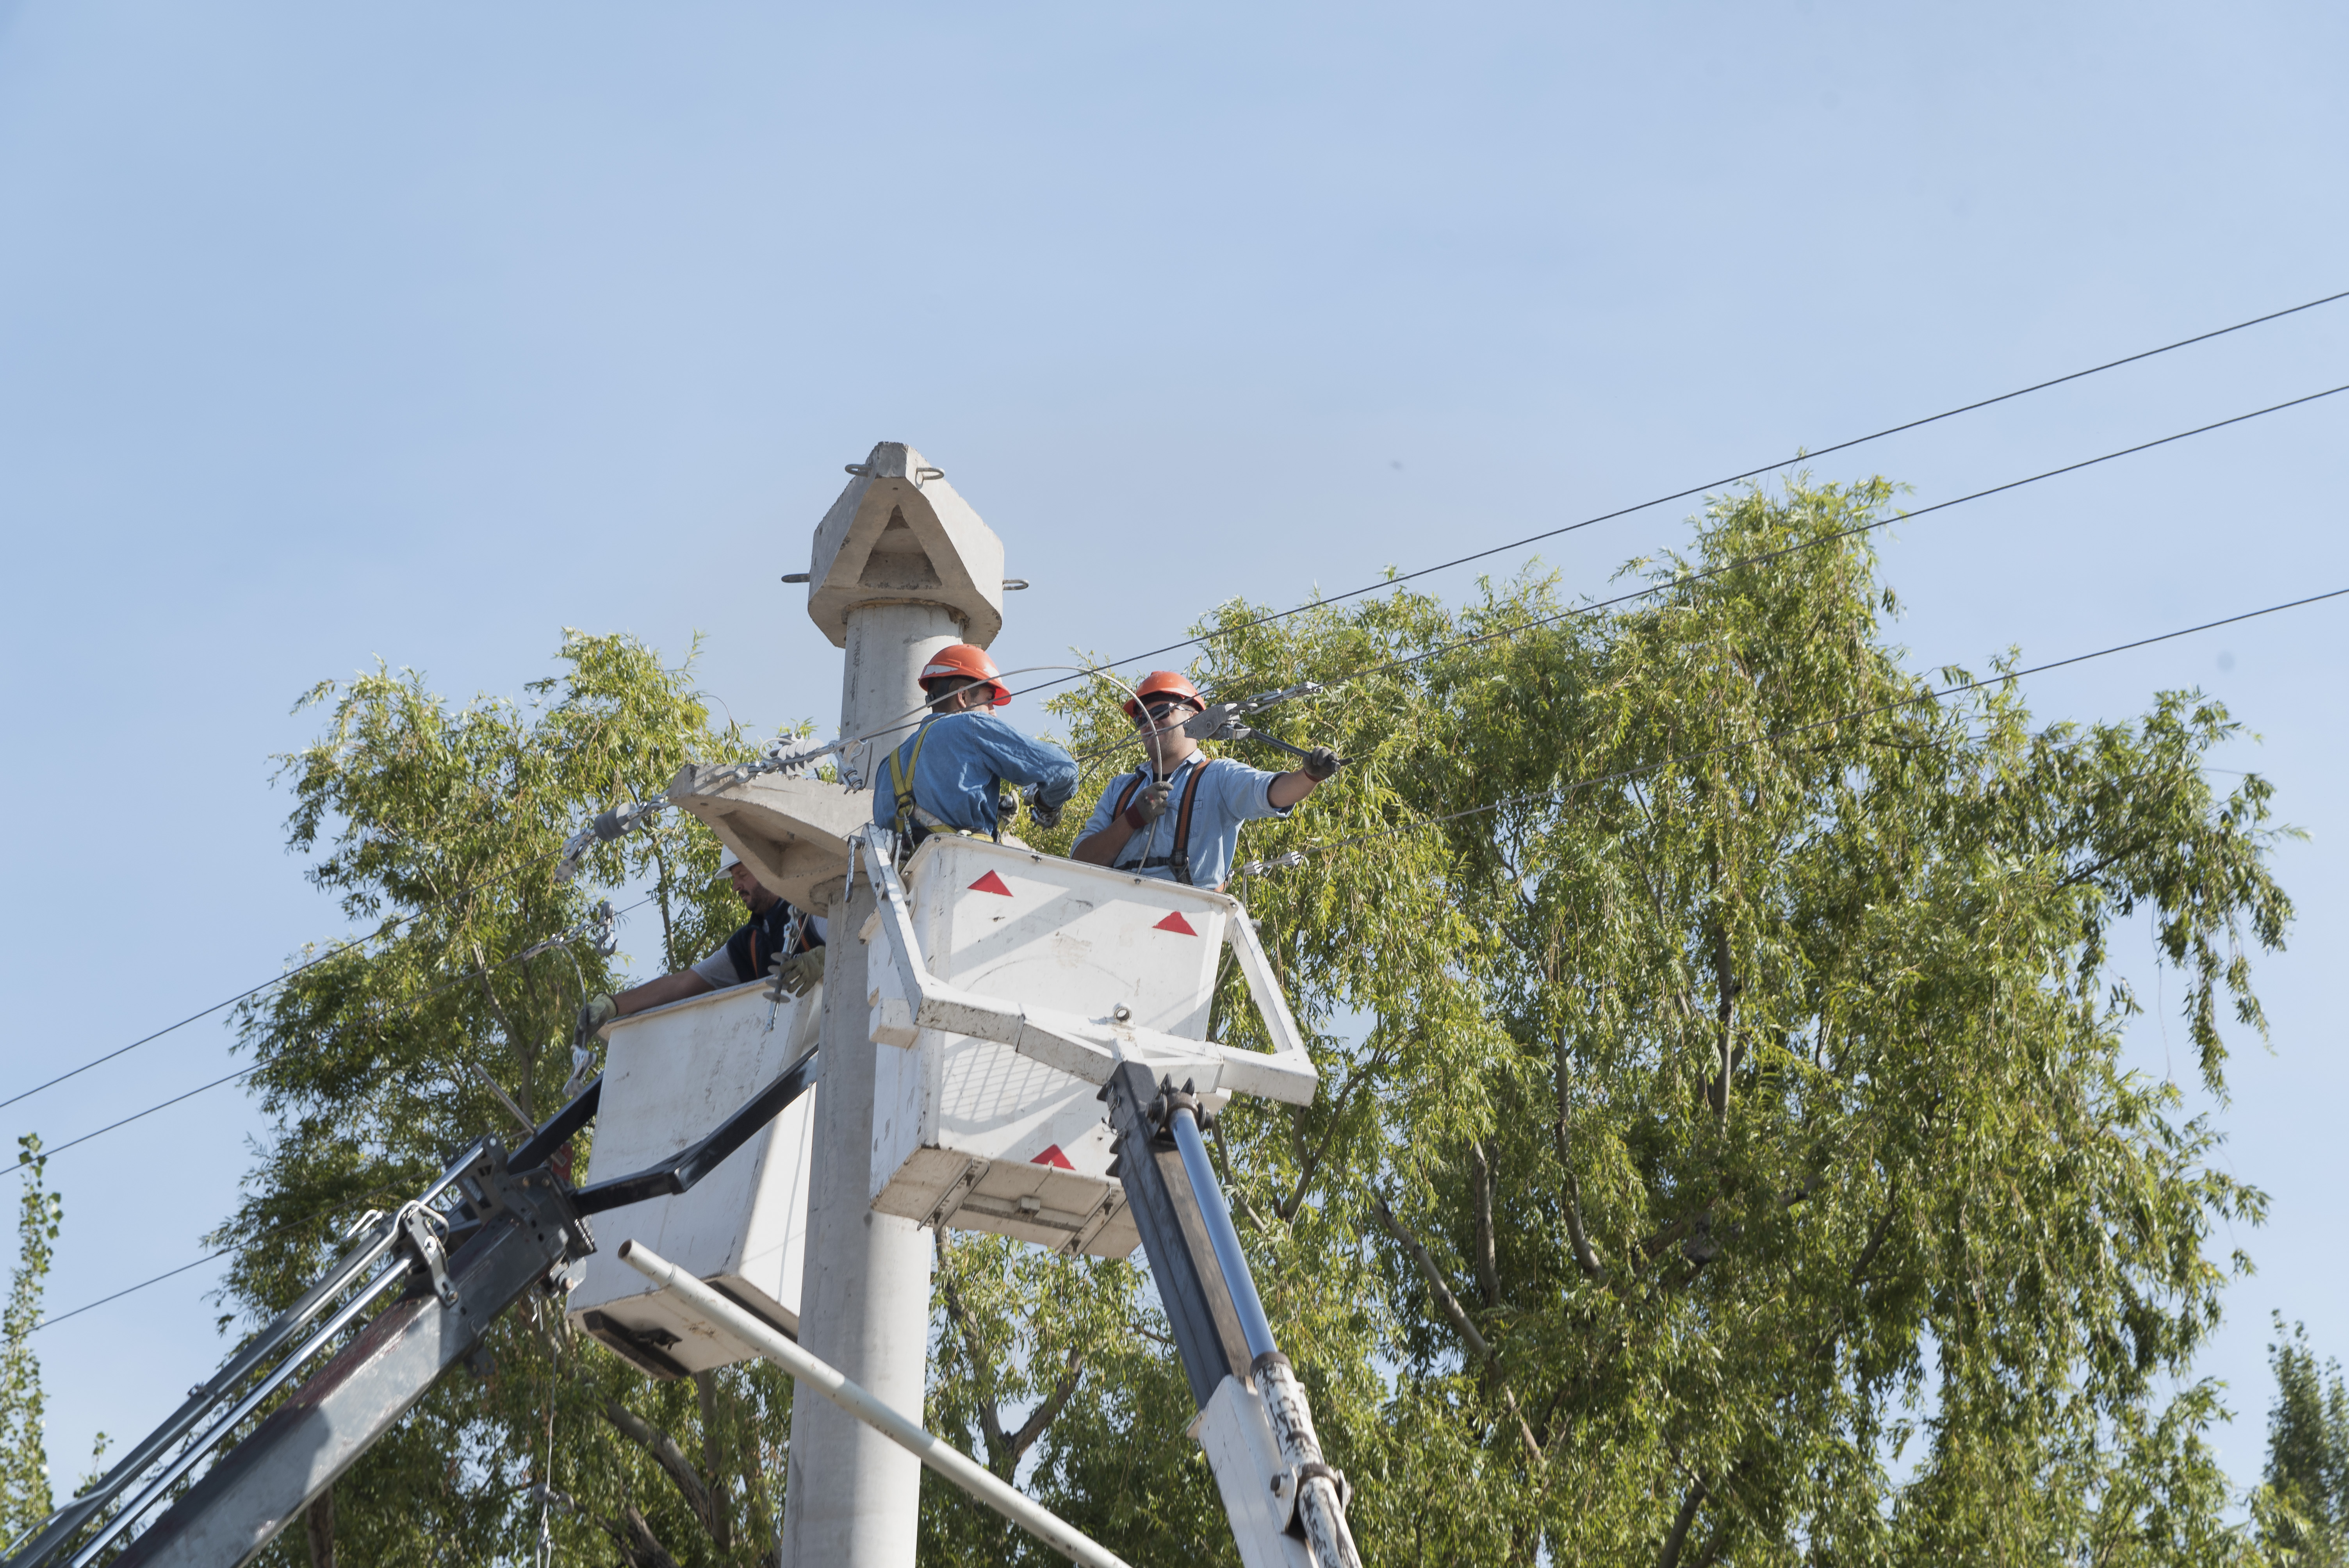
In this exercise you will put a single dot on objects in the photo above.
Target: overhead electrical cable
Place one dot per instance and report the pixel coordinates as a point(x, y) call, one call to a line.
point(1356, 593)
point(1766, 557)
point(331, 953)
point(1297, 856)
point(1803, 456)
point(251, 1069)
point(208, 1257)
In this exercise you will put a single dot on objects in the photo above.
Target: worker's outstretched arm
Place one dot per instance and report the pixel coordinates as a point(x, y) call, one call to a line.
point(1290, 788)
point(657, 992)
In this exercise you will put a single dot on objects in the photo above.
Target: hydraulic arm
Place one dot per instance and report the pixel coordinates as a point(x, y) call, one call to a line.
point(1288, 1507)
point(492, 1229)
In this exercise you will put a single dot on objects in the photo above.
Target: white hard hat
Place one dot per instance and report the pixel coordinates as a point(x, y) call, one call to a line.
point(726, 859)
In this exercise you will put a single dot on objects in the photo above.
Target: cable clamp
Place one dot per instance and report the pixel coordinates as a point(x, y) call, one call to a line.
point(607, 827)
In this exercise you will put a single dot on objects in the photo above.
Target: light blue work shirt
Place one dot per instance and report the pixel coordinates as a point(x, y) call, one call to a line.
point(1230, 793)
point(963, 754)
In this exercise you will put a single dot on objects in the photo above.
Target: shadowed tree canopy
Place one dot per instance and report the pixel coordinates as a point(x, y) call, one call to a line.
point(1725, 1153)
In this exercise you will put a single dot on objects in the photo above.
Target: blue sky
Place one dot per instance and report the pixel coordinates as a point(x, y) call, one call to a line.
point(328, 333)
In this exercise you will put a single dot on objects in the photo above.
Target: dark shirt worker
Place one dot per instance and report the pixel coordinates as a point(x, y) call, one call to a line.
point(775, 930)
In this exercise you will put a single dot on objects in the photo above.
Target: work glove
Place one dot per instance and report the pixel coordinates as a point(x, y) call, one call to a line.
point(595, 1012)
point(1148, 806)
point(797, 975)
point(1322, 763)
point(1045, 816)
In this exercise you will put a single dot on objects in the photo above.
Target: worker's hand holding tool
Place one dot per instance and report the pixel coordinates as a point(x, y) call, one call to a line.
point(595, 1012)
point(798, 975)
point(1043, 816)
point(1148, 806)
point(1322, 763)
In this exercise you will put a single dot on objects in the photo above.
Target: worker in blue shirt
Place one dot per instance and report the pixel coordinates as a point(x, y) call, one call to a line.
point(1178, 817)
point(947, 777)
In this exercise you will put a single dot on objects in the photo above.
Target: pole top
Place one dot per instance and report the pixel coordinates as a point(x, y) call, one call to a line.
point(900, 536)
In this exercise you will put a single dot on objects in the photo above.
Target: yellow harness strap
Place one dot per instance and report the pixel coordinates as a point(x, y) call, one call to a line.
point(901, 779)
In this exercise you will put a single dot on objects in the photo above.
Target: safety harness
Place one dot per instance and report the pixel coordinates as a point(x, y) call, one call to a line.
point(914, 824)
point(1179, 857)
point(782, 929)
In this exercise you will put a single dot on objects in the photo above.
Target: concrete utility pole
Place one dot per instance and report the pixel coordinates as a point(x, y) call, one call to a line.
point(902, 567)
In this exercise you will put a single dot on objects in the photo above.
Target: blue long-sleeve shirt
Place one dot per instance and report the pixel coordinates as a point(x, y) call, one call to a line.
point(962, 756)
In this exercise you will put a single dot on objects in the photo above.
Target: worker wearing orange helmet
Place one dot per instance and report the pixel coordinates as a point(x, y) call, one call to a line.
point(1178, 817)
point(949, 775)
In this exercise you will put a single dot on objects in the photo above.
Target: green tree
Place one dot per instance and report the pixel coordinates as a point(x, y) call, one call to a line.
point(24, 1493)
point(1722, 1097)
point(440, 826)
point(2303, 1507)
point(1724, 1152)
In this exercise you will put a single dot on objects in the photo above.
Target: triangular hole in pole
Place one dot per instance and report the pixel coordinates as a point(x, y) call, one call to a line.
point(1174, 923)
point(990, 883)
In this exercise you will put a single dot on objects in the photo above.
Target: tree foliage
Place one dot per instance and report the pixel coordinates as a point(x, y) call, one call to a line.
point(1724, 1152)
point(24, 1493)
point(440, 826)
point(1723, 1110)
point(2303, 1505)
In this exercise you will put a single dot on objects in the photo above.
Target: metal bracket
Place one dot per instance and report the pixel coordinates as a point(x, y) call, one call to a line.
point(415, 1229)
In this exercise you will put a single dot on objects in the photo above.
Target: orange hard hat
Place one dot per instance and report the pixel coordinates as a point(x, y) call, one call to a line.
point(1170, 681)
point(968, 663)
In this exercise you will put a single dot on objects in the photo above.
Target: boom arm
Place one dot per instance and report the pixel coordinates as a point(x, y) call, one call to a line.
point(454, 1271)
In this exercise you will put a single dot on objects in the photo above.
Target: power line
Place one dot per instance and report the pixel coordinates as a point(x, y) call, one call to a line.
point(1711, 485)
point(269, 1061)
point(1405, 577)
point(208, 1257)
point(1259, 869)
point(1263, 868)
point(1767, 556)
point(333, 952)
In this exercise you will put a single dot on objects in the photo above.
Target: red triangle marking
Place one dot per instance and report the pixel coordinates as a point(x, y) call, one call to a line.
point(990, 883)
point(1175, 923)
point(1053, 1156)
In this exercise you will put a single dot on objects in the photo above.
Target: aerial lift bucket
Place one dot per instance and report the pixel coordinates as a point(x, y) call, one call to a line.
point(972, 1134)
point(670, 1074)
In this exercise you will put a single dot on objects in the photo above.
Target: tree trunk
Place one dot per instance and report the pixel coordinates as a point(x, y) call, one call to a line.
point(1480, 1185)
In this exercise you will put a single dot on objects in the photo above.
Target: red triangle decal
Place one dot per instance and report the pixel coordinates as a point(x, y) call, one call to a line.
point(990, 883)
point(1053, 1156)
point(1176, 924)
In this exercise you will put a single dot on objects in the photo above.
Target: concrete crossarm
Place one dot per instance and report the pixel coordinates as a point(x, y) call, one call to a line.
point(792, 833)
point(907, 997)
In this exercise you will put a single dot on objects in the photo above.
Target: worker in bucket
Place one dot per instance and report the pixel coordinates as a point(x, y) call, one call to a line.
point(948, 775)
point(1178, 817)
point(779, 941)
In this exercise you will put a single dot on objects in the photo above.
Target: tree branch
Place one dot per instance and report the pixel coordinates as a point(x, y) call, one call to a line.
point(990, 1419)
point(1585, 1256)
point(713, 1450)
point(1694, 1499)
point(1042, 1415)
point(1458, 1318)
point(665, 1451)
point(644, 1548)
point(1480, 1190)
point(513, 1047)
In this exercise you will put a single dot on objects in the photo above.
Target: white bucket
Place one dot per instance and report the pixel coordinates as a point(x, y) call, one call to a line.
point(969, 1133)
point(671, 1076)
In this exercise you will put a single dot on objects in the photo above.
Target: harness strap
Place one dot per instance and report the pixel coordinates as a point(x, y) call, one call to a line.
point(910, 815)
point(1179, 855)
point(901, 781)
